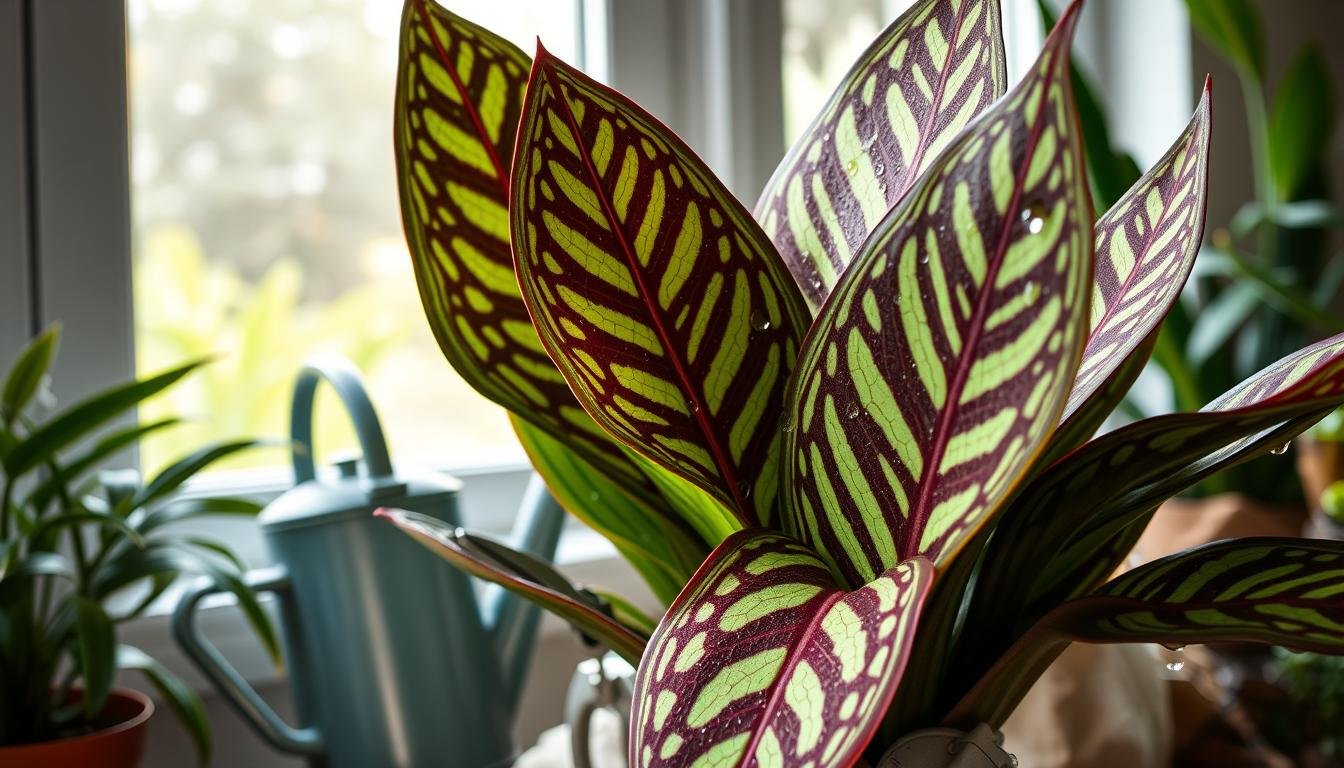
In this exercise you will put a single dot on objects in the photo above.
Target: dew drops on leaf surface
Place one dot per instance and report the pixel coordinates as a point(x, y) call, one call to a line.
point(1033, 216)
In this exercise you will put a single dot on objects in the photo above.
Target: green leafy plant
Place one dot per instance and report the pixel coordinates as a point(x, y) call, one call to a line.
point(907, 517)
point(1266, 282)
point(80, 554)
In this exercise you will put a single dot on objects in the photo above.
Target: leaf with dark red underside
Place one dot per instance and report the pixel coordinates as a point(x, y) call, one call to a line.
point(660, 300)
point(918, 85)
point(554, 595)
point(764, 660)
point(459, 97)
point(1145, 247)
point(1287, 592)
point(1078, 519)
point(940, 365)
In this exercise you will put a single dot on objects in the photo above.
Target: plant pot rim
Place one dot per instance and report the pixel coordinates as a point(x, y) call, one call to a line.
point(146, 712)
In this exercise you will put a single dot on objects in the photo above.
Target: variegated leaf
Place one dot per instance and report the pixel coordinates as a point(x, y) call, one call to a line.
point(1070, 518)
point(914, 90)
point(1287, 592)
point(765, 661)
point(446, 542)
point(1145, 247)
point(658, 545)
point(941, 363)
point(661, 301)
point(459, 96)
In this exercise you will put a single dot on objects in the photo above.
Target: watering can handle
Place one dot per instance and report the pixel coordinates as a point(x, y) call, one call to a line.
point(343, 377)
point(240, 695)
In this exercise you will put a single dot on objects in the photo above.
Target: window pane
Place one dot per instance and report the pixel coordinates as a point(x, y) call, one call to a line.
point(266, 225)
point(821, 42)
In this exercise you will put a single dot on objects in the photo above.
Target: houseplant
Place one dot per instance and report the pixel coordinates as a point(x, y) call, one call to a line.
point(908, 520)
point(80, 555)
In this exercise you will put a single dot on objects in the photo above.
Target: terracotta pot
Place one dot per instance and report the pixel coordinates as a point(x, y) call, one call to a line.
point(120, 745)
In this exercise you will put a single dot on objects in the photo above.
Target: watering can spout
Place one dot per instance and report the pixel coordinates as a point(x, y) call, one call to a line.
point(512, 621)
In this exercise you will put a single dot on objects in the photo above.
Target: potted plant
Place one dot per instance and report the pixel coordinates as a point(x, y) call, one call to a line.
point(873, 407)
point(81, 554)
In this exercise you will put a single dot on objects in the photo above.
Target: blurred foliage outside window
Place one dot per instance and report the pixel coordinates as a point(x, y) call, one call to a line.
point(266, 226)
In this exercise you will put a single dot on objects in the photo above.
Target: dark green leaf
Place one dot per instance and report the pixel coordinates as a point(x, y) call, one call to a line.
point(1231, 27)
point(78, 518)
point(188, 509)
point(103, 449)
point(97, 653)
point(183, 470)
point(1301, 122)
point(25, 376)
point(84, 417)
point(1220, 320)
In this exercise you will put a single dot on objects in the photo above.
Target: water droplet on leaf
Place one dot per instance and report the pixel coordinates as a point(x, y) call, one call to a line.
point(786, 426)
point(853, 412)
point(759, 320)
point(1033, 216)
point(852, 167)
point(879, 168)
point(1175, 666)
point(1031, 292)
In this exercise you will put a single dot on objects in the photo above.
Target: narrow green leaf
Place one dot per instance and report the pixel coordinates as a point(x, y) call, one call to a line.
point(940, 365)
point(82, 418)
point(189, 509)
point(1233, 28)
point(103, 449)
point(25, 375)
point(182, 470)
point(1275, 591)
point(919, 84)
point(97, 645)
point(186, 705)
point(443, 540)
point(1301, 122)
point(765, 660)
point(74, 519)
point(661, 301)
point(1220, 320)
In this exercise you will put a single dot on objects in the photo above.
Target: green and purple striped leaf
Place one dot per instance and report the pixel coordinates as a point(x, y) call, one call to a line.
point(662, 548)
point(765, 661)
point(1145, 247)
point(555, 596)
point(460, 93)
point(918, 86)
point(1287, 592)
point(1079, 519)
point(659, 298)
point(940, 365)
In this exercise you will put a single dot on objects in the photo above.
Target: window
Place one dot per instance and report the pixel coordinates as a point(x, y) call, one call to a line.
point(266, 226)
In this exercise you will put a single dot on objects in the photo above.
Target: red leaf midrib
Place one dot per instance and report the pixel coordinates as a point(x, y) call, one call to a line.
point(912, 168)
point(921, 510)
point(727, 472)
point(468, 105)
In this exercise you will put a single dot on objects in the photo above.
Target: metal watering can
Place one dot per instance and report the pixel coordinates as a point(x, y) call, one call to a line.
point(393, 661)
